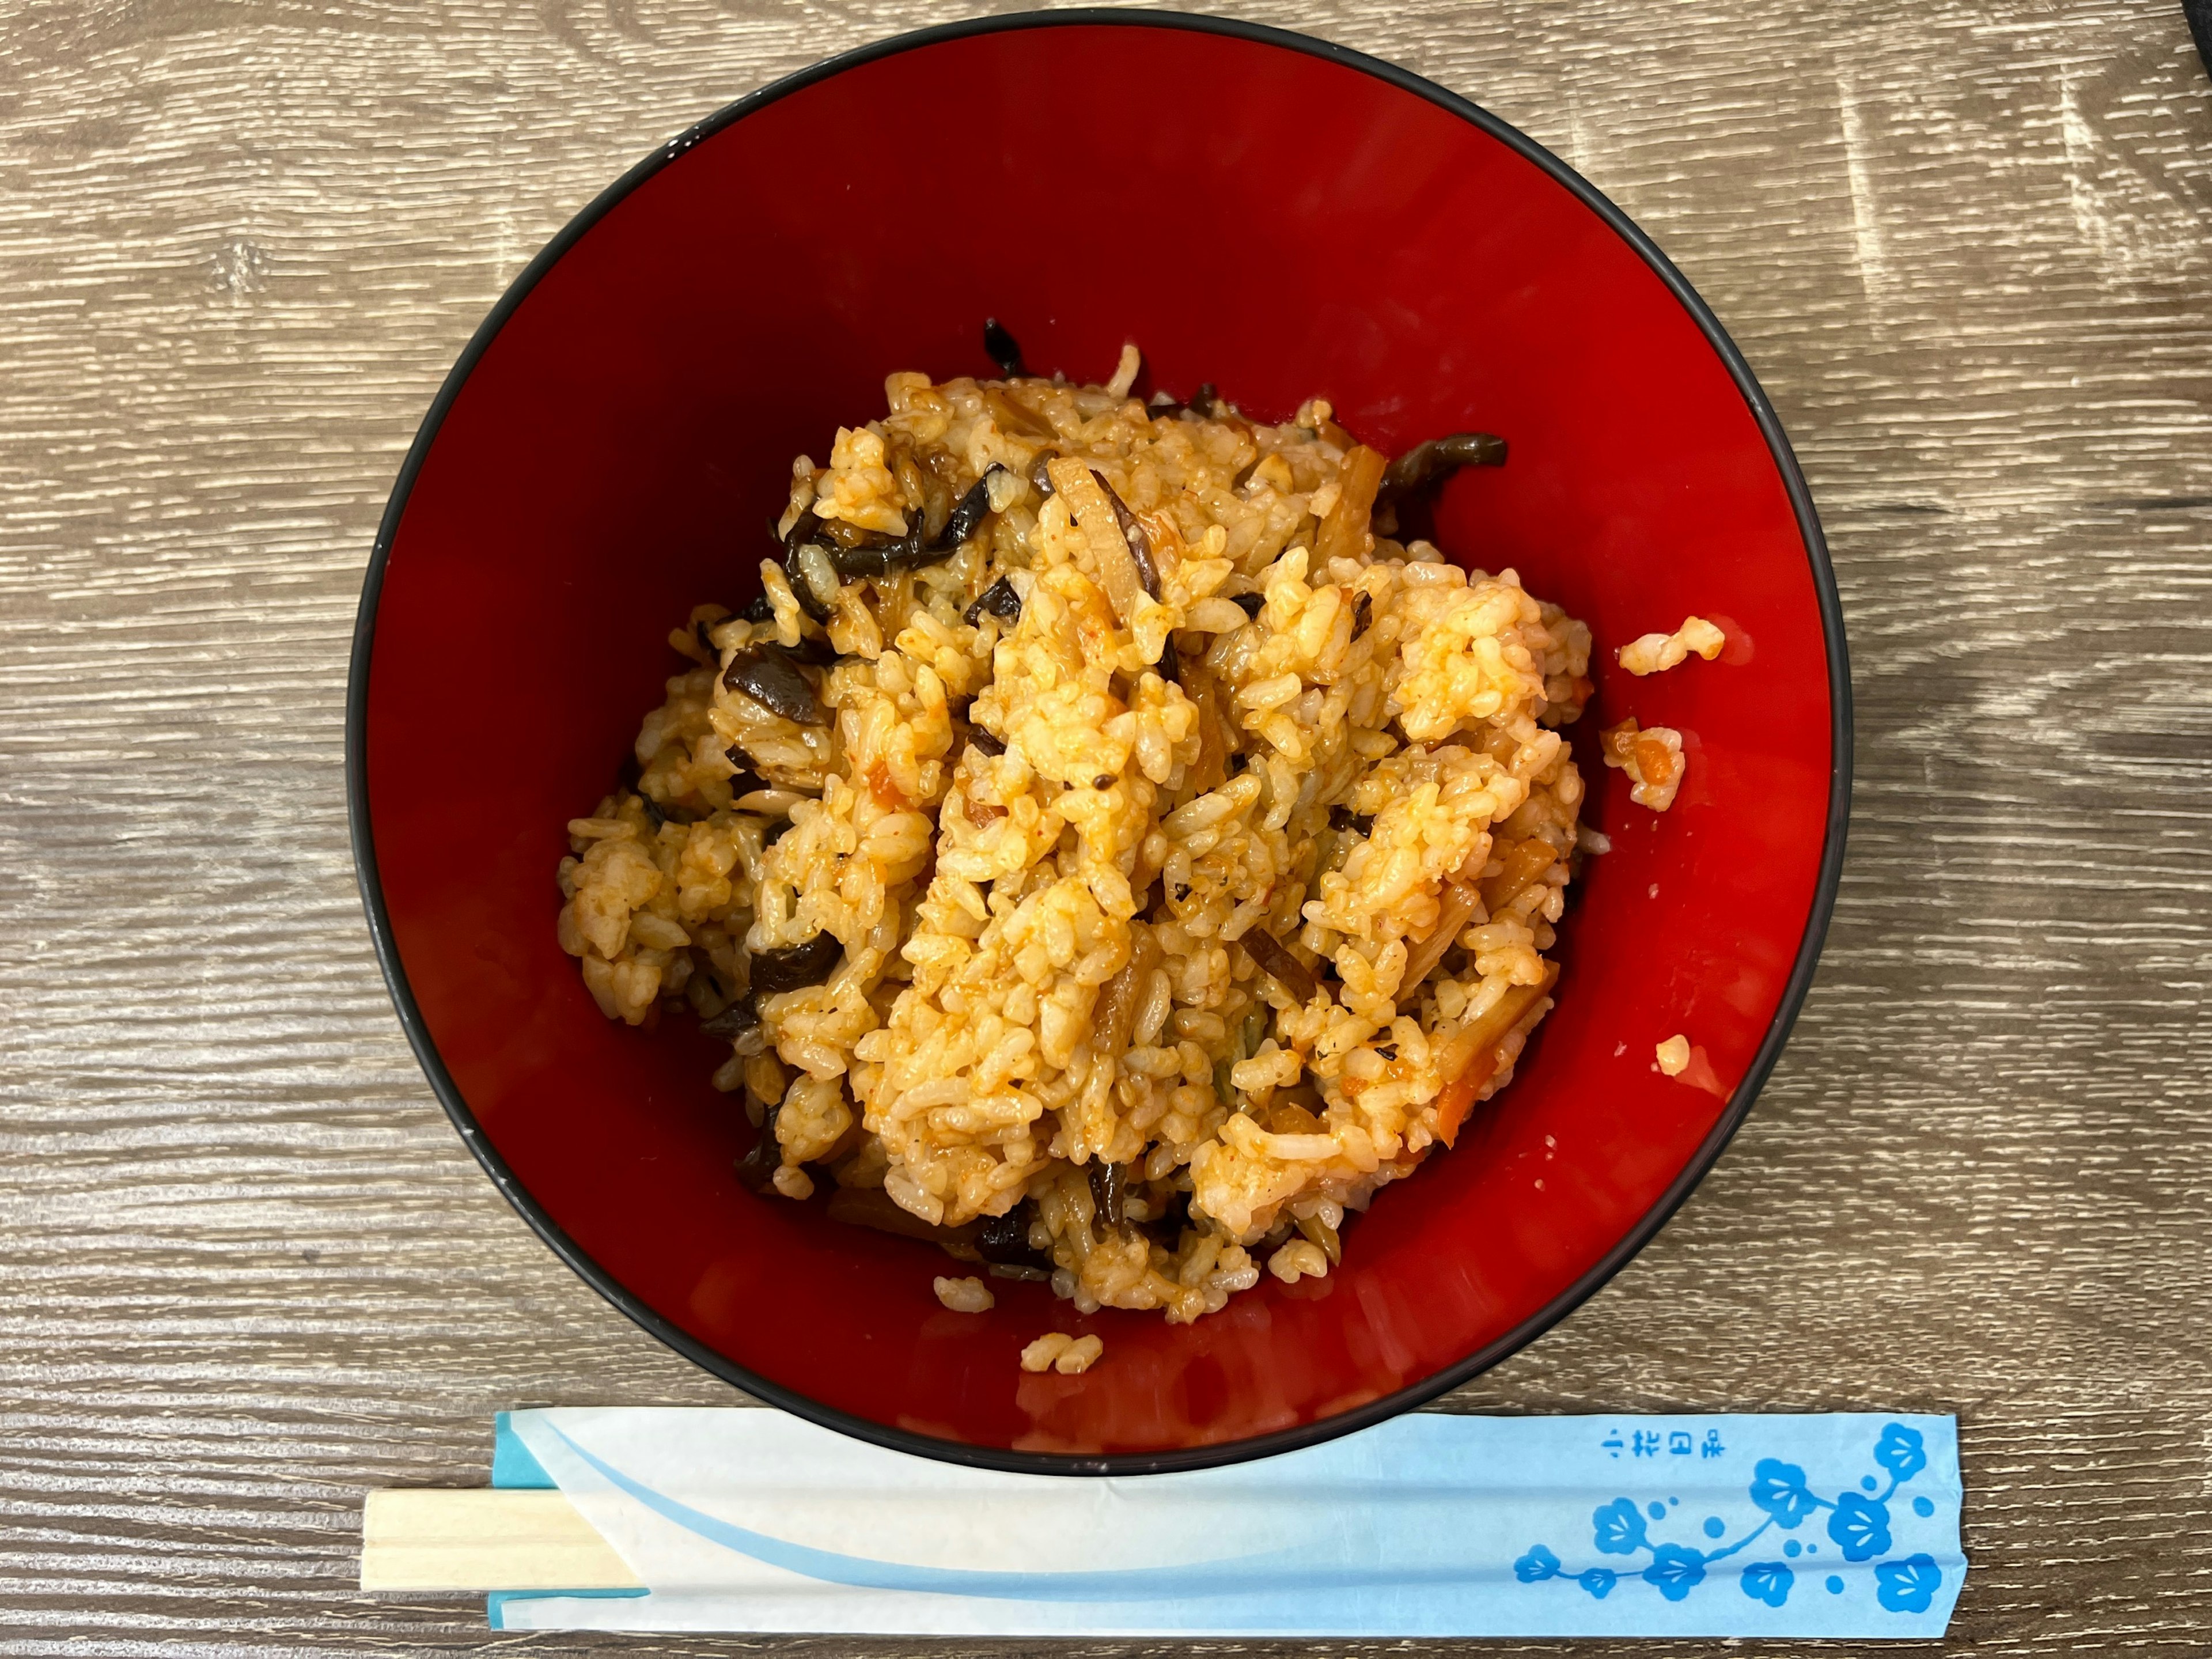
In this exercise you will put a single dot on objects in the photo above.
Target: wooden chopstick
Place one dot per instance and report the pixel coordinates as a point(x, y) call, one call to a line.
point(443, 1539)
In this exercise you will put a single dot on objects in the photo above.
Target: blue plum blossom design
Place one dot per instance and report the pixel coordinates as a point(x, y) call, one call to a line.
point(1858, 1522)
point(1902, 1452)
point(1779, 1489)
point(1768, 1582)
point(1676, 1570)
point(1907, 1586)
point(1619, 1528)
point(1859, 1525)
point(1536, 1566)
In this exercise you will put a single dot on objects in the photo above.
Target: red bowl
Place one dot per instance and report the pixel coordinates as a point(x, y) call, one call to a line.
point(1256, 209)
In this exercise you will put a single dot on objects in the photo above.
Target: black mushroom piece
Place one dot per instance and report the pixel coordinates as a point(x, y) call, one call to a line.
point(1275, 959)
point(792, 966)
point(999, 599)
point(734, 1021)
point(1437, 458)
point(756, 1168)
point(1140, 544)
point(968, 515)
point(757, 609)
point(1249, 604)
point(986, 741)
point(882, 555)
point(1362, 612)
point(1040, 474)
point(1169, 667)
point(1003, 1240)
point(1003, 349)
point(1109, 1191)
point(819, 651)
point(767, 674)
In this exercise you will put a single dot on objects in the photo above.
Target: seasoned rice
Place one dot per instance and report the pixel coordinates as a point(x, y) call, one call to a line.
point(1169, 864)
point(1653, 758)
point(1653, 654)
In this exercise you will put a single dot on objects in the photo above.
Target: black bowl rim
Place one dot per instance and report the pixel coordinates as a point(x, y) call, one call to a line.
point(1191, 1457)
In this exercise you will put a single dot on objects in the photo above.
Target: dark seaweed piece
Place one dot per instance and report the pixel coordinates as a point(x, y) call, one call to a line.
point(1249, 604)
point(1438, 457)
point(1274, 959)
point(794, 966)
point(1169, 666)
point(1003, 1240)
point(1362, 612)
point(969, 514)
point(653, 811)
point(1140, 544)
point(706, 641)
point(767, 674)
point(984, 741)
point(1000, 599)
point(775, 832)
point(1040, 477)
point(756, 1168)
point(758, 610)
point(1343, 818)
point(1110, 1190)
point(1003, 349)
point(734, 1021)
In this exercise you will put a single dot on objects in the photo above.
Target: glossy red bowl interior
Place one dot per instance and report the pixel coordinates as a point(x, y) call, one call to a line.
point(1256, 209)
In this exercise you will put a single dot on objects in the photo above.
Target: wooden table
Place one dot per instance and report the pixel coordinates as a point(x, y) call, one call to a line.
point(250, 1271)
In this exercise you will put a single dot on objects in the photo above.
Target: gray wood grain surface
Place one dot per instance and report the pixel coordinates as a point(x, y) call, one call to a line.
point(249, 1271)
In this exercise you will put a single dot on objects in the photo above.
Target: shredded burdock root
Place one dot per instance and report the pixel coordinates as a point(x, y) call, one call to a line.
point(1107, 853)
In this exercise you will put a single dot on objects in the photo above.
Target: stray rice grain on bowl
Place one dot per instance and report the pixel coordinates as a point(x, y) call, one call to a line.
point(1109, 852)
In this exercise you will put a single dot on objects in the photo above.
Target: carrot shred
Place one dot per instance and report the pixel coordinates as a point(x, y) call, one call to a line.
point(1654, 760)
point(1480, 1042)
